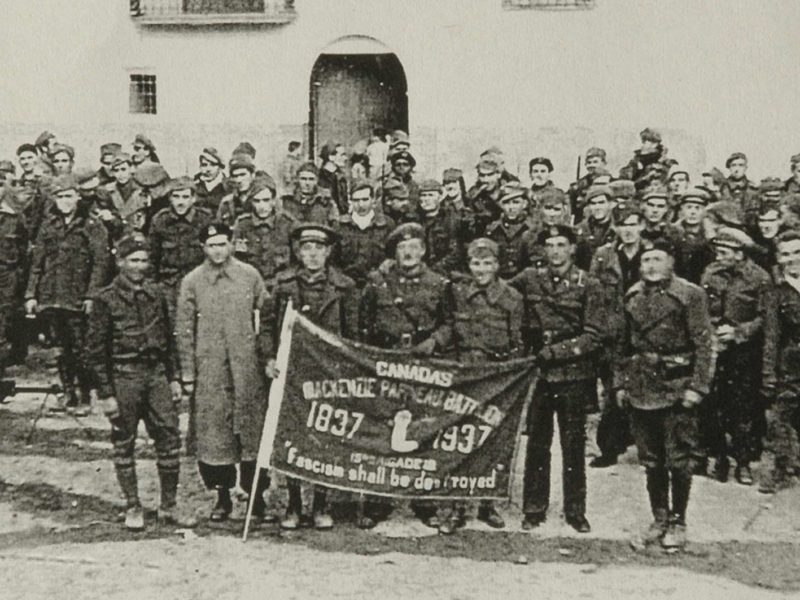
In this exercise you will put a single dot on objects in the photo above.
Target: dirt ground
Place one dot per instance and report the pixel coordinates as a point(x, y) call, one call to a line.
point(60, 530)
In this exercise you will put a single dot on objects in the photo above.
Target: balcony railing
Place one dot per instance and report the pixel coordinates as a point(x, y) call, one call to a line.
point(212, 12)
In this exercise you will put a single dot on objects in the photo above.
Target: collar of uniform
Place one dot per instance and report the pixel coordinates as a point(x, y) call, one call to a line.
point(493, 291)
point(214, 273)
point(403, 278)
point(128, 288)
point(210, 185)
point(539, 188)
point(267, 221)
point(573, 275)
point(311, 278)
point(188, 217)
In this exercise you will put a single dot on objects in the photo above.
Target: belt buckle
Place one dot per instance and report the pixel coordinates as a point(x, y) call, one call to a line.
point(406, 340)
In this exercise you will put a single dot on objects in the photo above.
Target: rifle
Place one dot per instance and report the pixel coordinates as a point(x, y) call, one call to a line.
point(578, 169)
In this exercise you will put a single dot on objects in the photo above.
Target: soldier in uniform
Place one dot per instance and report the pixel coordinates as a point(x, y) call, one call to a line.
point(397, 203)
point(362, 236)
point(693, 250)
point(662, 370)
point(486, 326)
point(441, 229)
point(739, 189)
point(648, 162)
point(105, 173)
point(735, 287)
point(331, 176)
point(540, 169)
point(327, 298)
point(261, 236)
point(455, 190)
point(310, 202)
point(123, 192)
point(596, 230)
point(594, 161)
point(242, 171)
point(483, 197)
point(403, 164)
point(97, 201)
point(26, 155)
point(791, 185)
point(173, 236)
point(212, 185)
point(780, 371)
point(68, 267)
point(512, 232)
point(765, 252)
point(559, 321)
point(677, 184)
point(131, 353)
point(63, 159)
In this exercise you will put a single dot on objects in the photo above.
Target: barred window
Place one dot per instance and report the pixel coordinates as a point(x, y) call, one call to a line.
point(143, 94)
point(223, 6)
point(548, 4)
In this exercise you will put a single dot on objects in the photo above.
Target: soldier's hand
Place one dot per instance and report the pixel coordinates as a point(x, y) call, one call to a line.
point(272, 369)
point(176, 390)
point(726, 333)
point(691, 398)
point(110, 407)
point(31, 306)
point(621, 397)
point(425, 348)
point(87, 307)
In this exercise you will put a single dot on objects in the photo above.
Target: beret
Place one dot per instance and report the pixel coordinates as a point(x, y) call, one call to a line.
point(487, 163)
point(541, 160)
point(794, 160)
point(622, 188)
point(650, 135)
point(731, 237)
point(26, 148)
point(121, 158)
point(241, 160)
point(594, 151)
point(84, 175)
point(245, 148)
point(262, 182)
point(110, 148)
point(182, 183)
point(482, 247)
point(696, 195)
point(660, 243)
point(6, 166)
point(552, 196)
point(557, 231)
point(735, 156)
point(213, 229)
point(512, 190)
point(430, 185)
point(451, 175)
point(212, 155)
point(623, 212)
point(599, 190)
point(144, 141)
point(313, 232)
point(130, 243)
point(403, 155)
point(406, 231)
point(43, 138)
point(62, 183)
point(394, 188)
point(59, 148)
point(770, 185)
point(151, 175)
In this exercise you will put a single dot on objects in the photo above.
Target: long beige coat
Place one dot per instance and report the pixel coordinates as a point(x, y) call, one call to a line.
point(220, 350)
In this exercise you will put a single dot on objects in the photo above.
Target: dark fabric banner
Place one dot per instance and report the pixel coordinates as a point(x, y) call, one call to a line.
point(357, 418)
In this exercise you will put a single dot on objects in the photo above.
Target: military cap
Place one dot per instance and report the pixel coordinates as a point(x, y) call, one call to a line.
point(6, 166)
point(212, 155)
point(487, 163)
point(214, 229)
point(150, 176)
point(675, 169)
point(399, 137)
point(595, 152)
point(622, 188)
point(790, 235)
point(110, 148)
point(557, 231)
point(733, 157)
point(262, 182)
point(65, 148)
point(84, 175)
point(731, 237)
point(313, 232)
point(599, 190)
point(716, 175)
point(659, 243)
point(144, 141)
point(552, 196)
point(245, 148)
point(44, 137)
point(26, 148)
point(482, 247)
point(771, 185)
point(404, 155)
point(406, 231)
point(394, 188)
point(62, 183)
point(121, 158)
point(451, 175)
point(541, 160)
point(308, 167)
point(182, 183)
point(650, 135)
point(769, 204)
point(656, 192)
point(512, 190)
point(130, 243)
point(241, 161)
point(696, 195)
point(793, 161)
point(430, 185)
point(726, 212)
point(623, 212)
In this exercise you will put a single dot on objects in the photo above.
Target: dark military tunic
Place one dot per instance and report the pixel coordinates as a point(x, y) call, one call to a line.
point(443, 251)
point(264, 243)
point(13, 251)
point(232, 206)
point(484, 206)
point(516, 243)
point(693, 252)
point(591, 235)
point(336, 184)
point(318, 208)
point(745, 194)
point(359, 251)
point(210, 198)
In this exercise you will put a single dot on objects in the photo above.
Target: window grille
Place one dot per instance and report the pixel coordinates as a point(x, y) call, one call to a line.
point(143, 94)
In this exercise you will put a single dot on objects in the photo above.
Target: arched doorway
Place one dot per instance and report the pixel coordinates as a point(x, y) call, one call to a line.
point(357, 84)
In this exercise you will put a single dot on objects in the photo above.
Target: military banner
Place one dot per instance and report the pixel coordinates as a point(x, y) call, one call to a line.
point(362, 419)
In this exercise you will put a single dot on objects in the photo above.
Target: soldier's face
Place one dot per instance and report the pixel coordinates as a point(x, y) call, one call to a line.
point(513, 208)
point(552, 214)
point(140, 153)
point(630, 230)
point(122, 173)
point(430, 201)
point(559, 251)
point(490, 179)
point(313, 255)
point(649, 146)
point(789, 257)
point(62, 163)
point(655, 210)
point(409, 253)
point(135, 265)
point(593, 163)
point(242, 179)
point(27, 161)
point(106, 160)
point(540, 175)
point(208, 170)
point(738, 168)
point(727, 257)
point(600, 207)
point(402, 167)
point(692, 213)
point(656, 266)
point(452, 189)
point(181, 201)
point(483, 269)
point(769, 223)
point(263, 204)
point(67, 201)
point(358, 172)
point(218, 249)
point(399, 204)
point(361, 202)
point(678, 183)
point(339, 157)
point(307, 182)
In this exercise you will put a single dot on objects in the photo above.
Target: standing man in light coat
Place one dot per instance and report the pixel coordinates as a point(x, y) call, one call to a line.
point(221, 351)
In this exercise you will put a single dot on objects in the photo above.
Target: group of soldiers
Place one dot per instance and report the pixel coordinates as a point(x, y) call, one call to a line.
point(671, 310)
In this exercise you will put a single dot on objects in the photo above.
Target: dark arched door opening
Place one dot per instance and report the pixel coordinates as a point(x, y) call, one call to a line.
point(352, 94)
